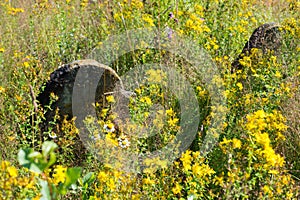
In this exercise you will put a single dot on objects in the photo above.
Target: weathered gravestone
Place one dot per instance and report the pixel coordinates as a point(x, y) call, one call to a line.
point(61, 84)
point(265, 37)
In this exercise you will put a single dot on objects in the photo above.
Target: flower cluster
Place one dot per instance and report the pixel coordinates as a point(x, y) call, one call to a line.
point(15, 184)
point(256, 131)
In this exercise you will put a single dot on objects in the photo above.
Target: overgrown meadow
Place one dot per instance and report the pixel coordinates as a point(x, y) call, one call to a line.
point(257, 155)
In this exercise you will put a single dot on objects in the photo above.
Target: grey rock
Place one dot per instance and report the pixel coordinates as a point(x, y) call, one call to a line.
point(265, 37)
point(61, 84)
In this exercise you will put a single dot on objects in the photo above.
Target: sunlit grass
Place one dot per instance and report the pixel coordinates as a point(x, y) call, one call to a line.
point(257, 155)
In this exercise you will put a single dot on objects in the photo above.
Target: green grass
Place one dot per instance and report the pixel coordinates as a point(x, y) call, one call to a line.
point(257, 155)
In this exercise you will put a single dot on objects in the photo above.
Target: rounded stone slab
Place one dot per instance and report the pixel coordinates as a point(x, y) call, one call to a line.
point(61, 84)
point(265, 37)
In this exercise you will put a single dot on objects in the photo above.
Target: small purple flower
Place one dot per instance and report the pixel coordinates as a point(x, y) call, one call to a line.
point(170, 32)
point(172, 16)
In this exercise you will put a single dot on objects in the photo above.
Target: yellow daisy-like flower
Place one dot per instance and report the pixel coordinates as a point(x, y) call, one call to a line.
point(170, 112)
point(59, 175)
point(173, 122)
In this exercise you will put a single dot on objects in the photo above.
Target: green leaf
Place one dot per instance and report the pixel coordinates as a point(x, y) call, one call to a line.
point(36, 161)
point(26, 158)
point(45, 190)
point(52, 159)
point(23, 156)
point(72, 176)
point(36, 168)
point(88, 178)
point(48, 147)
point(34, 154)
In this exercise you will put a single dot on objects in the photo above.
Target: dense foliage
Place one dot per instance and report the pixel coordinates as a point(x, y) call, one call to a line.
point(257, 155)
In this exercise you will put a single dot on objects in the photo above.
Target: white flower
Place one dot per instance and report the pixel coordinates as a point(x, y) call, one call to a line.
point(52, 135)
point(96, 137)
point(123, 142)
point(191, 197)
point(110, 128)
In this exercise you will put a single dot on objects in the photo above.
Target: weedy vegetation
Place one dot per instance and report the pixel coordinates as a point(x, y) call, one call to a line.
point(257, 155)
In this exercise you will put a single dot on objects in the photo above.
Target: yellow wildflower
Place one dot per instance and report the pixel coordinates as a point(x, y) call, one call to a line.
point(110, 99)
point(19, 98)
point(110, 139)
point(148, 181)
point(224, 142)
point(196, 169)
point(146, 100)
point(14, 11)
point(84, 3)
point(266, 189)
point(12, 171)
point(177, 189)
point(173, 122)
point(26, 64)
point(2, 89)
point(109, 127)
point(148, 19)
point(278, 74)
point(272, 158)
point(189, 23)
point(272, 171)
point(186, 159)
point(262, 139)
point(59, 174)
point(219, 180)
point(104, 112)
point(102, 176)
point(236, 143)
point(170, 112)
point(240, 86)
point(156, 76)
point(111, 184)
point(253, 19)
point(138, 4)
